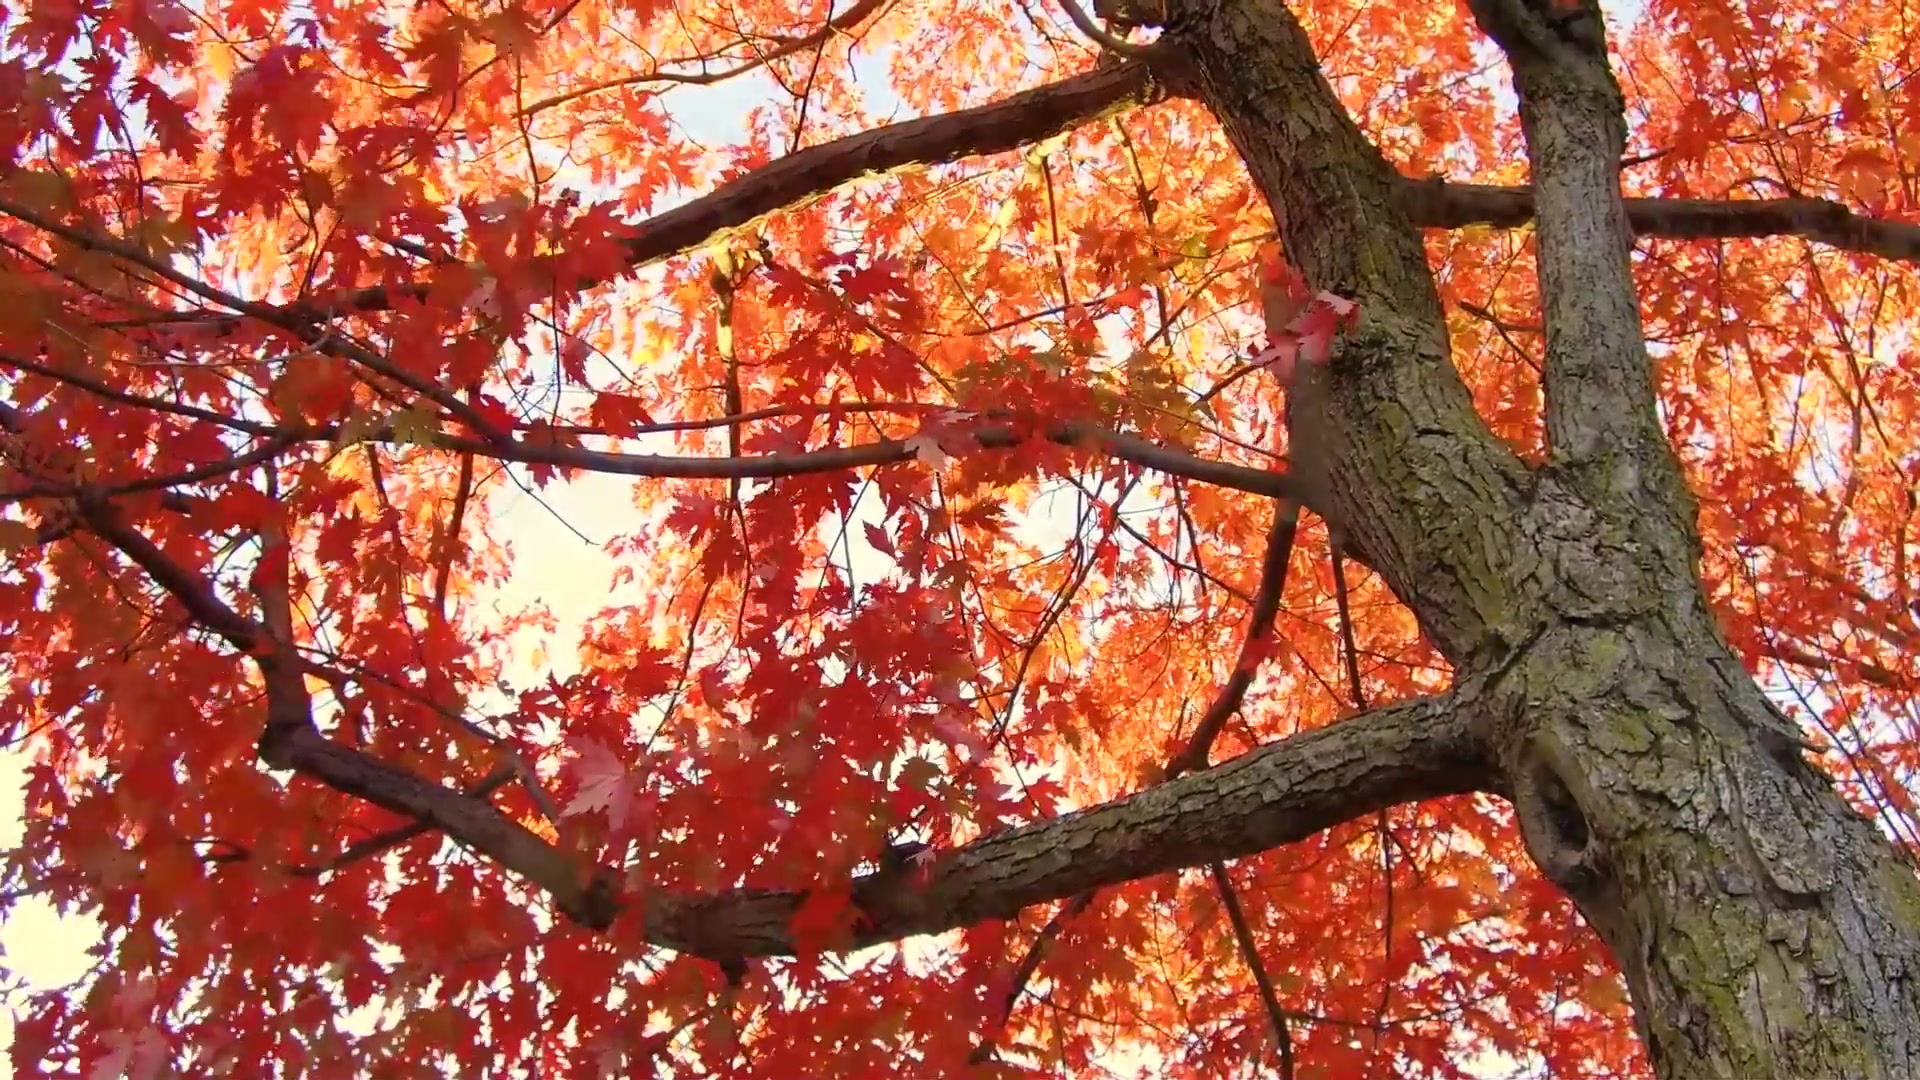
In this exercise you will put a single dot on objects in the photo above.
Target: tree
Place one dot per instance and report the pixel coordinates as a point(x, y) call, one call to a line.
point(1420, 572)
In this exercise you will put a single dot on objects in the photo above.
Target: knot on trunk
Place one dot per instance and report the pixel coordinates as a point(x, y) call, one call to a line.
point(1557, 830)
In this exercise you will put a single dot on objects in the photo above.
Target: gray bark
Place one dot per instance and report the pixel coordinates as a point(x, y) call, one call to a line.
point(1274, 795)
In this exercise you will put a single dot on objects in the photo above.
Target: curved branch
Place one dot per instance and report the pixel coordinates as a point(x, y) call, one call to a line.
point(580, 890)
point(368, 847)
point(1024, 971)
point(991, 436)
point(1100, 36)
point(1119, 445)
point(1277, 794)
point(1266, 605)
point(994, 435)
point(1250, 952)
point(792, 181)
point(317, 340)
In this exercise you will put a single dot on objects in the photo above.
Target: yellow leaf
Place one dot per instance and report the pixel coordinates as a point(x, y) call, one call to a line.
point(37, 190)
point(17, 535)
point(415, 426)
point(360, 423)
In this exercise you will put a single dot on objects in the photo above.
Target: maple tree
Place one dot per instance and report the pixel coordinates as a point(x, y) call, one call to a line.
point(1468, 621)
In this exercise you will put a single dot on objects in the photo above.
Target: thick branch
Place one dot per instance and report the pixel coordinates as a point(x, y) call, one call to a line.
point(800, 177)
point(1600, 410)
point(1274, 795)
point(1438, 204)
point(1417, 486)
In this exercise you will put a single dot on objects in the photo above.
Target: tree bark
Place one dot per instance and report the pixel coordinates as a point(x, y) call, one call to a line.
point(1763, 927)
point(1277, 794)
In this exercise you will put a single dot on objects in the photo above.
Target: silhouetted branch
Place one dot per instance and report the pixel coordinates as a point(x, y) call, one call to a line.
point(1266, 605)
point(1250, 952)
point(1029, 965)
point(369, 846)
point(839, 24)
point(1440, 204)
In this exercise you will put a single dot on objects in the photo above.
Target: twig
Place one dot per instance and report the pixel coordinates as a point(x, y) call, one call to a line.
point(1249, 951)
point(1266, 605)
point(1359, 694)
point(373, 845)
point(1273, 577)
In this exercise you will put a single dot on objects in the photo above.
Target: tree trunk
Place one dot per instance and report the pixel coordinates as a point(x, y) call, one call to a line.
point(1764, 928)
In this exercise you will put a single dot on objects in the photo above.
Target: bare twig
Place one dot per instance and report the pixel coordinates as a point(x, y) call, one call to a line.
point(1250, 952)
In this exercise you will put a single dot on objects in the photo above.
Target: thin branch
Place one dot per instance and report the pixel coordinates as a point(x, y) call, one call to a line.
point(317, 340)
point(1440, 204)
point(126, 397)
point(1250, 952)
point(199, 474)
point(992, 435)
point(372, 845)
point(449, 538)
point(1029, 965)
point(291, 741)
point(1357, 690)
point(1864, 670)
point(1266, 605)
point(839, 24)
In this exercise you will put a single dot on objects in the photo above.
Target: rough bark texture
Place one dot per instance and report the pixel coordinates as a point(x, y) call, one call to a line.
point(1274, 795)
point(1398, 449)
point(1763, 927)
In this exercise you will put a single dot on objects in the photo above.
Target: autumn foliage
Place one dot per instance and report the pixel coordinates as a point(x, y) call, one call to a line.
point(939, 372)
